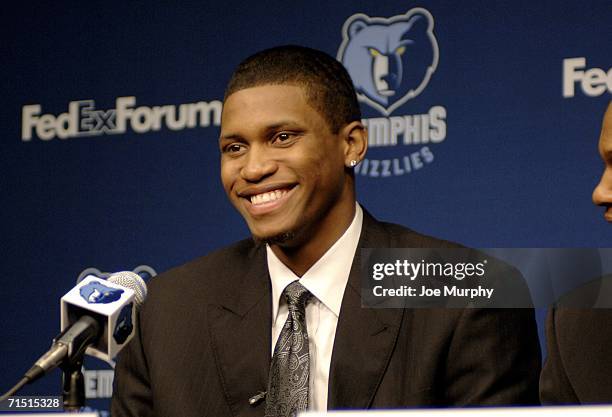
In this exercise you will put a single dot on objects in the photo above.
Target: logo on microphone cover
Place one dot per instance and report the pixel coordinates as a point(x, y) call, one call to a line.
point(124, 326)
point(391, 61)
point(97, 293)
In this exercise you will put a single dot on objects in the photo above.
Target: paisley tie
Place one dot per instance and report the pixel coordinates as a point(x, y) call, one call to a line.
point(288, 379)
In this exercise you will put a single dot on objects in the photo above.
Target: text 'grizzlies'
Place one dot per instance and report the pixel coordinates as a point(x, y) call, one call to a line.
point(395, 166)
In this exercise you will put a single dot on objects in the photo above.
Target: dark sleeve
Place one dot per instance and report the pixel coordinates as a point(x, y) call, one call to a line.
point(495, 358)
point(555, 387)
point(131, 387)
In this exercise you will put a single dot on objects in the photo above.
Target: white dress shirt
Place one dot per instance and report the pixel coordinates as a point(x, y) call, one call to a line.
point(326, 280)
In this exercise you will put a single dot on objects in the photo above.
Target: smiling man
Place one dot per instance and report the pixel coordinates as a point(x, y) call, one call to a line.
point(273, 324)
point(284, 169)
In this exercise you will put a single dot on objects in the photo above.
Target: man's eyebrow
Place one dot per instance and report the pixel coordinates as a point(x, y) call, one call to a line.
point(229, 136)
point(283, 124)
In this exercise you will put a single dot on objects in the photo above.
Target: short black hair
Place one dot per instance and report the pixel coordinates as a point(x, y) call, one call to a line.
point(326, 83)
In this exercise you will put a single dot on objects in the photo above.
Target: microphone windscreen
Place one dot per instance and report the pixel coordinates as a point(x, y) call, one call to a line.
point(133, 281)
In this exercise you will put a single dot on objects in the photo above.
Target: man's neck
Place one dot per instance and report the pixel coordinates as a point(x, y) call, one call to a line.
point(300, 257)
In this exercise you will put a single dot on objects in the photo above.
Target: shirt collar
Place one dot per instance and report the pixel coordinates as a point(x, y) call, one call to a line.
point(327, 278)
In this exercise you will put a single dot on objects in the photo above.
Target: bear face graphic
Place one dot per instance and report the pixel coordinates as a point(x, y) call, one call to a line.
point(124, 326)
point(390, 60)
point(97, 293)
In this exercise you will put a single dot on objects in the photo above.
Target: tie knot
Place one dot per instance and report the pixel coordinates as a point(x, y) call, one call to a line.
point(297, 295)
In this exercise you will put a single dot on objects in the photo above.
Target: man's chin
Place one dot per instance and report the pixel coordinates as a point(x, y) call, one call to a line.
point(281, 239)
point(285, 235)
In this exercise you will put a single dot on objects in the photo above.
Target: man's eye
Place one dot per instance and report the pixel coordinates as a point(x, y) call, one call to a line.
point(233, 148)
point(282, 137)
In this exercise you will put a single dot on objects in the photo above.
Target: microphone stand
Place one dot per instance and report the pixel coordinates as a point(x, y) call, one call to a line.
point(78, 336)
point(73, 391)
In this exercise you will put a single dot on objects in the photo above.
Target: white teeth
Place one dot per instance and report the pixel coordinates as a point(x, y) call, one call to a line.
point(267, 197)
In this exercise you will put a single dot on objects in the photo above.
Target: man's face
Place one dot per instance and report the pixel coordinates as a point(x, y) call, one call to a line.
point(281, 166)
point(602, 195)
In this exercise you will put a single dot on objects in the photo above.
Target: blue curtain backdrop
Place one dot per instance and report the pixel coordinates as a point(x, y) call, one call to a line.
point(109, 128)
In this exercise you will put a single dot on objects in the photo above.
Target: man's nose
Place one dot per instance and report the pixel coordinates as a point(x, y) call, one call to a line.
point(258, 164)
point(602, 194)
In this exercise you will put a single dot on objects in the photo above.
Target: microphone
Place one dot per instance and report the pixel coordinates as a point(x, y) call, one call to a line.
point(97, 318)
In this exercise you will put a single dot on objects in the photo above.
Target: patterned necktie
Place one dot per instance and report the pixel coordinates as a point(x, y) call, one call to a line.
point(290, 369)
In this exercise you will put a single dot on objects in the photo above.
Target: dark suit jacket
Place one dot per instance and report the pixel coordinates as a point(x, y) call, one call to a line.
point(578, 369)
point(204, 343)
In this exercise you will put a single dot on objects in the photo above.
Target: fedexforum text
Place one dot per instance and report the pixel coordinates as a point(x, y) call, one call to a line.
point(412, 270)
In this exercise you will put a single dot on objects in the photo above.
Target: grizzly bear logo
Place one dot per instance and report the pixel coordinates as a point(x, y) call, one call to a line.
point(124, 326)
point(389, 59)
point(97, 293)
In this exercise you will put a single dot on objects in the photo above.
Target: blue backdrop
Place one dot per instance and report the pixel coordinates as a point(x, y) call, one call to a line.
point(496, 147)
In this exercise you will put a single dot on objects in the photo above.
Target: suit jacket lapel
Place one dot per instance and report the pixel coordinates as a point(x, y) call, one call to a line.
point(365, 337)
point(240, 329)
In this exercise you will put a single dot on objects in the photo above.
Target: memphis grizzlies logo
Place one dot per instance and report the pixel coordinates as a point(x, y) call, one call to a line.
point(97, 293)
point(389, 59)
point(124, 326)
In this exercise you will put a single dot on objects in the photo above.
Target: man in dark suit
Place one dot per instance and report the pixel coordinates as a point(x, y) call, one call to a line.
point(578, 369)
point(291, 134)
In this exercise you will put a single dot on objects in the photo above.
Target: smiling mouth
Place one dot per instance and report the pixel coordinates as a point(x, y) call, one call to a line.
point(266, 202)
point(267, 197)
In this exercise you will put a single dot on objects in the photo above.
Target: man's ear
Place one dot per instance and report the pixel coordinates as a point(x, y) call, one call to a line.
point(355, 137)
